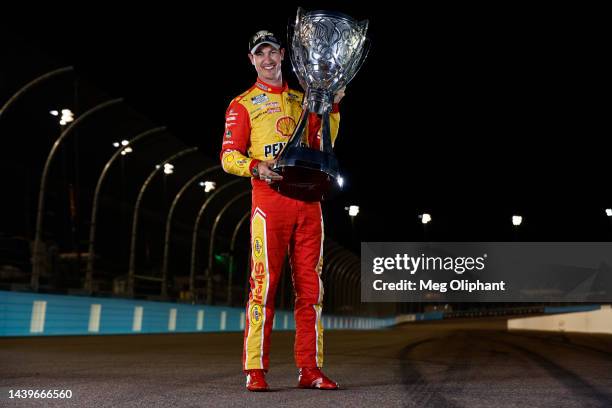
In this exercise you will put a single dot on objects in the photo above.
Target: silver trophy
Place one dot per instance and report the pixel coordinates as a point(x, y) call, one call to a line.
point(327, 49)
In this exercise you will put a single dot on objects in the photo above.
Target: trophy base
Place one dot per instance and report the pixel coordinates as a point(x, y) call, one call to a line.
point(308, 174)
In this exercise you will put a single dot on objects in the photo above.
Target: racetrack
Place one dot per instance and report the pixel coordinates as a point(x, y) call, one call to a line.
point(455, 363)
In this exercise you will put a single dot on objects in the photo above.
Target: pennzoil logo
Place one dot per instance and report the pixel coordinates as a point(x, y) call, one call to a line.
point(256, 315)
point(285, 126)
point(272, 150)
point(258, 247)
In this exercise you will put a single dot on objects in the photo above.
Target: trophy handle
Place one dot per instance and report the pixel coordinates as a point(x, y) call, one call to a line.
point(299, 14)
point(366, 50)
point(364, 24)
point(290, 35)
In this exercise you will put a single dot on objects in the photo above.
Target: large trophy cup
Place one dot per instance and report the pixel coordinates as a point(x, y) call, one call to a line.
point(327, 49)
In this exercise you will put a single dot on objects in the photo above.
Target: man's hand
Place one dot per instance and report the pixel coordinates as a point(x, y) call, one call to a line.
point(339, 95)
point(264, 169)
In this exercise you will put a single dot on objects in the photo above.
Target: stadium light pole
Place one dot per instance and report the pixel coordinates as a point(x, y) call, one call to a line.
point(165, 165)
point(177, 197)
point(517, 220)
point(31, 85)
point(352, 210)
point(94, 208)
point(211, 242)
point(36, 252)
point(425, 220)
point(242, 221)
point(196, 227)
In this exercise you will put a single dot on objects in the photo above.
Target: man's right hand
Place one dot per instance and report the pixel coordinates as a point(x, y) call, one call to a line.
point(264, 169)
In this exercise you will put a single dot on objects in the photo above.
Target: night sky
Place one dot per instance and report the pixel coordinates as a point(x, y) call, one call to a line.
point(469, 114)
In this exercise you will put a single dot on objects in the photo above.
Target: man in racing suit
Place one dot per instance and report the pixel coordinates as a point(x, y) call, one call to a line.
point(258, 123)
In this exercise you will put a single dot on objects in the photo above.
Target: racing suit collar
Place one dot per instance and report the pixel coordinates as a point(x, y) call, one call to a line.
point(269, 88)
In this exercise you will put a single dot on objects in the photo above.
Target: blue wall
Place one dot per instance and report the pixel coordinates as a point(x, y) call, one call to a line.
point(429, 316)
point(571, 309)
point(66, 315)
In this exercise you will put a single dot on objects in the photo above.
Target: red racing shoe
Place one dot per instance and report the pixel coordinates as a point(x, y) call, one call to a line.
point(256, 380)
point(314, 378)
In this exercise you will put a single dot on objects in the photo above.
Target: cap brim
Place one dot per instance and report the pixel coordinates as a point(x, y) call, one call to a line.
point(275, 45)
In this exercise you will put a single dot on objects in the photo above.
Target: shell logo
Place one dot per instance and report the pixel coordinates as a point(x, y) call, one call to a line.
point(285, 126)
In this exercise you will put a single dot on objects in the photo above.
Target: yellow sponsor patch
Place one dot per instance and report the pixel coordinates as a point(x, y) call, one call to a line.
point(255, 315)
point(258, 247)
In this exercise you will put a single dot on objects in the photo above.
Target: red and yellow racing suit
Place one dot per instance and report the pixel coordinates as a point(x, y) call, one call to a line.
point(258, 123)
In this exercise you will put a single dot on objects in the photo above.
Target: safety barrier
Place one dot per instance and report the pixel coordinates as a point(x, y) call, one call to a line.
point(35, 314)
point(571, 309)
point(495, 312)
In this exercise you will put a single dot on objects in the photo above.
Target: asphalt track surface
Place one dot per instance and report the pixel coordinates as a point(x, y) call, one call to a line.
point(458, 363)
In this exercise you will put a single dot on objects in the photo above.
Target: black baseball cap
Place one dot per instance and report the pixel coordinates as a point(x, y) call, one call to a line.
point(263, 37)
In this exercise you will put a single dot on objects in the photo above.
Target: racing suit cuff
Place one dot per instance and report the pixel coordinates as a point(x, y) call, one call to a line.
point(335, 108)
point(253, 164)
